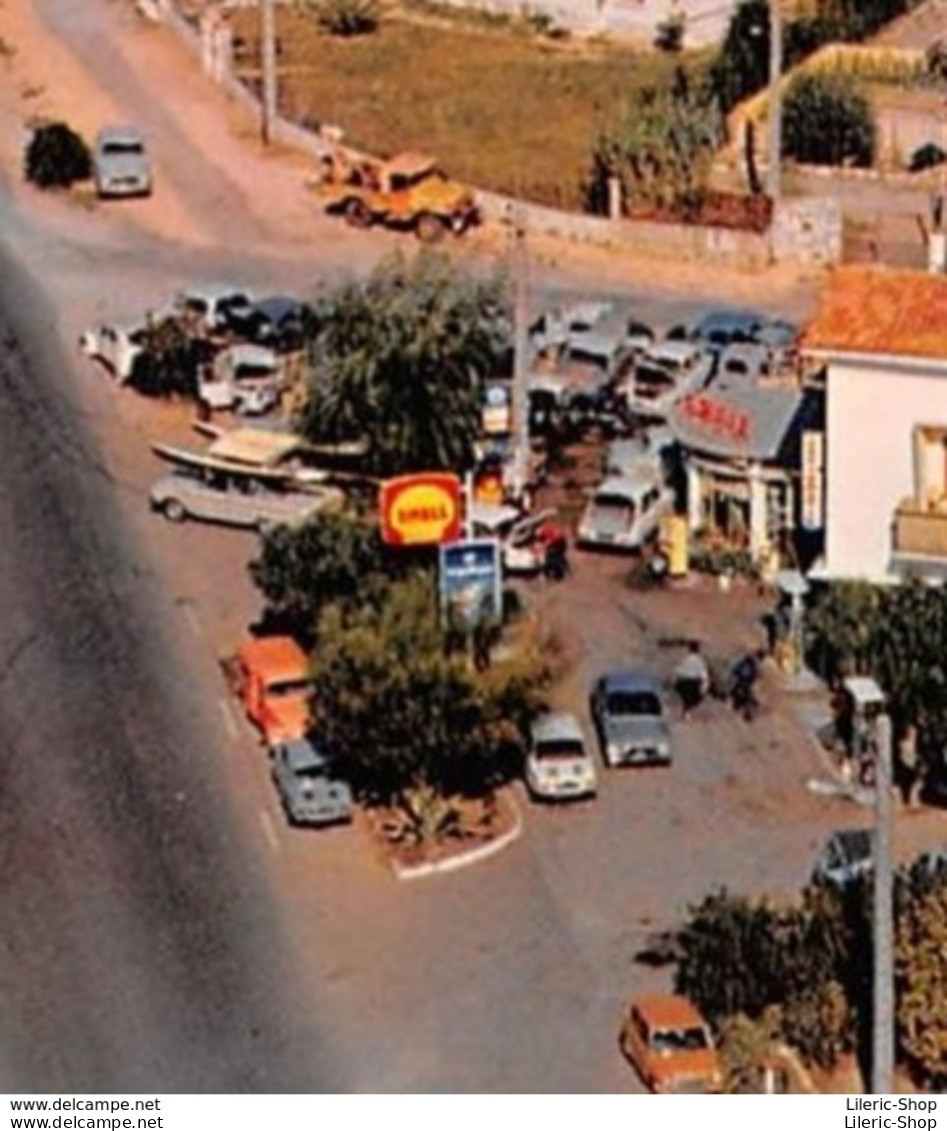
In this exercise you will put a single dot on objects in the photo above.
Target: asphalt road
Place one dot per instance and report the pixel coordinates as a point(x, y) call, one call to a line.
point(138, 945)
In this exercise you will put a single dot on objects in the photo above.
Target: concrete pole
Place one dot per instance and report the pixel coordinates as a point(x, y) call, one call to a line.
point(882, 1044)
point(519, 400)
point(774, 179)
point(268, 49)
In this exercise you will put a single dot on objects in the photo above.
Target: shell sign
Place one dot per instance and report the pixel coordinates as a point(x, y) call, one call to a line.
point(420, 510)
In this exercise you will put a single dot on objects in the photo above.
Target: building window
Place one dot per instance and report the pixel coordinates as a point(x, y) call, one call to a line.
point(930, 466)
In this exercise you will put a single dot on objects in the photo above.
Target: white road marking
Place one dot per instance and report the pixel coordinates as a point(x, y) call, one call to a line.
point(229, 721)
point(268, 830)
point(190, 615)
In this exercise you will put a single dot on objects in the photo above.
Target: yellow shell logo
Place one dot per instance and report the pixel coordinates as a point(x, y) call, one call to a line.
point(423, 512)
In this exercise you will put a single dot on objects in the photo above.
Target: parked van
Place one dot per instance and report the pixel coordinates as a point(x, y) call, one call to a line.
point(664, 374)
point(624, 513)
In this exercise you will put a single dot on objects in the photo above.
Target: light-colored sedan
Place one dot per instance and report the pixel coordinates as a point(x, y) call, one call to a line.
point(628, 712)
point(235, 498)
point(558, 764)
point(115, 347)
point(120, 163)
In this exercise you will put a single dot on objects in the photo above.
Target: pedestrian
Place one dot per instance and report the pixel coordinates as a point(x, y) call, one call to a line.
point(743, 679)
point(908, 766)
point(692, 679)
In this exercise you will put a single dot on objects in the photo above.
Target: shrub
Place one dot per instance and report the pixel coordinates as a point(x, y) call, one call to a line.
point(56, 157)
point(346, 17)
point(827, 121)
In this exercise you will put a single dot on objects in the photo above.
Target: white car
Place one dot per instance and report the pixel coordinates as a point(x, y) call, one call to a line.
point(245, 379)
point(624, 513)
point(114, 346)
point(522, 551)
point(120, 163)
point(664, 374)
point(209, 307)
point(558, 764)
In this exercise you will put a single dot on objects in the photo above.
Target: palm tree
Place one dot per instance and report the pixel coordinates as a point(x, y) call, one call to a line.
point(400, 361)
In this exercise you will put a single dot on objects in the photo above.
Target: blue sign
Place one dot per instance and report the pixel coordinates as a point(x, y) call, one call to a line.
point(469, 582)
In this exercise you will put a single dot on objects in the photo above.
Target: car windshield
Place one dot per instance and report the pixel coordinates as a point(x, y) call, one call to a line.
point(651, 380)
point(680, 1040)
point(119, 148)
point(286, 688)
point(559, 748)
point(633, 703)
point(250, 371)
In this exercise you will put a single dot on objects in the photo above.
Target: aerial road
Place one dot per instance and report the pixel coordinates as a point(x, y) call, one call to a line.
point(139, 949)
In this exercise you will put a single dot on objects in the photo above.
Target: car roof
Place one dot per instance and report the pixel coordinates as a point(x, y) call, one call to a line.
point(556, 726)
point(629, 679)
point(247, 354)
point(667, 1011)
point(728, 319)
point(276, 658)
point(672, 349)
point(119, 133)
point(277, 307)
point(213, 290)
point(854, 844)
point(632, 484)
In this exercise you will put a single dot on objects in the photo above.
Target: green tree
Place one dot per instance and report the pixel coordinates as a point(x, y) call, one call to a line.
point(409, 723)
point(827, 121)
point(332, 559)
point(169, 361)
point(742, 956)
point(56, 157)
point(661, 150)
point(399, 360)
point(921, 977)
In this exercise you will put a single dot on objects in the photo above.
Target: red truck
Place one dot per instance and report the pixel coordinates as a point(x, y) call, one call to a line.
point(271, 678)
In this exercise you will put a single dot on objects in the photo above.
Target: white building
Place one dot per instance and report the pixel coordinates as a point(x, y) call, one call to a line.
point(883, 338)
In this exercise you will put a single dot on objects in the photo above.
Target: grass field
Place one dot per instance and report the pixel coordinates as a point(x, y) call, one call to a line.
point(500, 107)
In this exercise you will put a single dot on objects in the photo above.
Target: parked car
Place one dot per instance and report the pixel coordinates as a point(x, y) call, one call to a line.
point(615, 334)
point(276, 321)
point(721, 327)
point(245, 379)
point(211, 308)
point(236, 498)
point(558, 765)
point(308, 792)
point(629, 716)
point(847, 856)
point(743, 362)
point(522, 548)
point(114, 346)
point(120, 163)
point(270, 676)
point(625, 513)
point(664, 374)
point(670, 1045)
point(554, 329)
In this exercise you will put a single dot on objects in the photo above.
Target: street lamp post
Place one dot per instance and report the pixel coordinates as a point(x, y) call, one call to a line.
point(773, 179)
point(268, 50)
point(873, 726)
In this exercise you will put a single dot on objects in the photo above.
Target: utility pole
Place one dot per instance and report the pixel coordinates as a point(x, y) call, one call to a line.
point(882, 1044)
point(773, 179)
point(268, 50)
point(519, 400)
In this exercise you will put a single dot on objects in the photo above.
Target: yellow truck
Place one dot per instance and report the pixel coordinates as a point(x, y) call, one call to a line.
point(407, 192)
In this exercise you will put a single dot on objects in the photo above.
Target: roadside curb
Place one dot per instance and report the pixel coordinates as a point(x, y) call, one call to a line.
point(466, 859)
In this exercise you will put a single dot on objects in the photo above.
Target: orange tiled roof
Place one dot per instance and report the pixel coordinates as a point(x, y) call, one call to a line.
point(871, 310)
